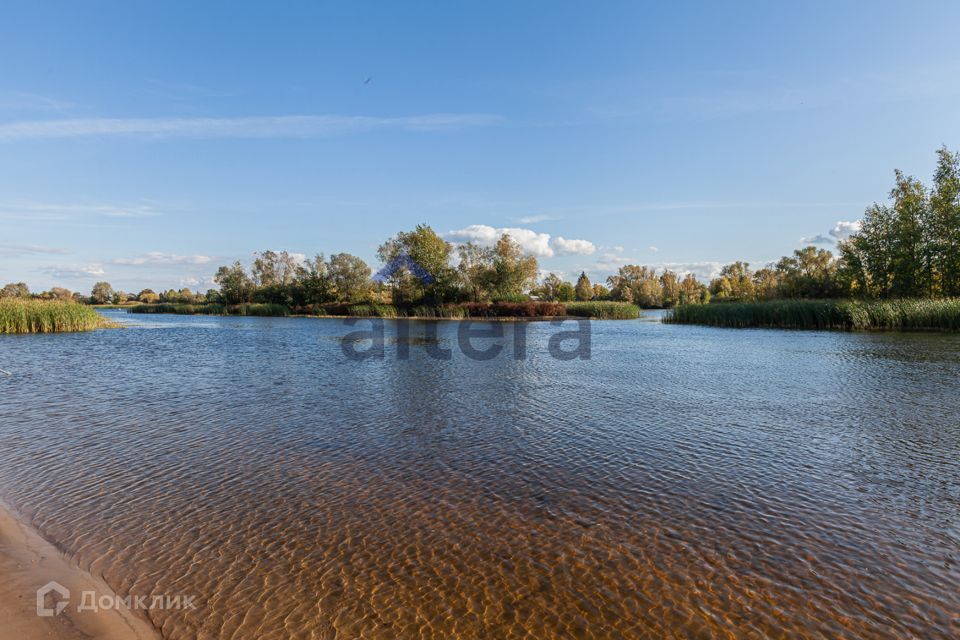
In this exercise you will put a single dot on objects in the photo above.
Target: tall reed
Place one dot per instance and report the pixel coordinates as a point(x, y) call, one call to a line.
point(603, 310)
point(850, 315)
point(47, 316)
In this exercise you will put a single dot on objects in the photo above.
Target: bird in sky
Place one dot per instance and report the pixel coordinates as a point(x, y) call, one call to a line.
point(368, 80)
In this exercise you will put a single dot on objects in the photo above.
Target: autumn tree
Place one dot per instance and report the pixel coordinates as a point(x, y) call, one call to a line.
point(734, 282)
point(148, 296)
point(513, 272)
point(102, 293)
point(669, 289)
point(583, 289)
point(15, 290)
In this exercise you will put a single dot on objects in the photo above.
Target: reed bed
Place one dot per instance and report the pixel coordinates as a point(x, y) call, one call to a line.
point(603, 310)
point(47, 316)
point(846, 315)
point(500, 309)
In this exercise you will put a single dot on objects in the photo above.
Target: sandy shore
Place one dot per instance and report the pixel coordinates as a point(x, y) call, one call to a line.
point(28, 562)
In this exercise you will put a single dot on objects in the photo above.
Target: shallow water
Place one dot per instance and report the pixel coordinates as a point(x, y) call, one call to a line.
point(683, 480)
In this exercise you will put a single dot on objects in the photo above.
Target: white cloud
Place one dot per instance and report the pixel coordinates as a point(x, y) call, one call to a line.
point(653, 248)
point(840, 232)
point(541, 245)
point(543, 273)
point(817, 239)
point(197, 283)
point(532, 242)
point(239, 127)
point(534, 219)
point(157, 258)
point(18, 250)
point(60, 211)
point(706, 270)
point(843, 230)
point(610, 262)
point(564, 247)
point(75, 272)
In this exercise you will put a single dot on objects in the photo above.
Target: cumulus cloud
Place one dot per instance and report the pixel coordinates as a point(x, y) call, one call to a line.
point(153, 258)
point(840, 232)
point(843, 230)
point(653, 248)
point(538, 244)
point(564, 247)
point(307, 126)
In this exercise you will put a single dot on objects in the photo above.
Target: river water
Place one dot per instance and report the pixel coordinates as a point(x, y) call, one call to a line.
point(683, 481)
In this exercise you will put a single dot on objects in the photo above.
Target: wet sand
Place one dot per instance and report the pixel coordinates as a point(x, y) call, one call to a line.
point(27, 562)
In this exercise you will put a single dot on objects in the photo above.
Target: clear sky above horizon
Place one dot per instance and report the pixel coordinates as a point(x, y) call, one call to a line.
point(145, 143)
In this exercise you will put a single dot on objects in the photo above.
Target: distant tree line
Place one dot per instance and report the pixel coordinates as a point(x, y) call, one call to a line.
point(503, 272)
point(909, 248)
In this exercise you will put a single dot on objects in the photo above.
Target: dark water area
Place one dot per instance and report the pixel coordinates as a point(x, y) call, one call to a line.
point(682, 481)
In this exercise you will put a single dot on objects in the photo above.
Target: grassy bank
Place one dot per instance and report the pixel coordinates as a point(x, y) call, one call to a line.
point(848, 315)
point(505, 310)
point(42, 316)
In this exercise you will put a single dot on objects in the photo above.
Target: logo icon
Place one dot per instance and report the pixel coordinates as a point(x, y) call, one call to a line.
point(63, 597)
point(403, 261)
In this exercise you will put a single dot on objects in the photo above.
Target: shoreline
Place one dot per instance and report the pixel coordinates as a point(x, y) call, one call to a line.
point(419, 318)
point(27, 562)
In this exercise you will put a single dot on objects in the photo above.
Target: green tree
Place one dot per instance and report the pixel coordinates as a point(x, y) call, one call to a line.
point(566, 292)
point(513, 272)
point(583, 289)
point(474, 271)
point(349, 277)
point(315, 282)
point(943, 234)
point(102, 293)
point(549, 288)
point(600, 292)
point(808, 273)
point(235, 285)
point(428, 250)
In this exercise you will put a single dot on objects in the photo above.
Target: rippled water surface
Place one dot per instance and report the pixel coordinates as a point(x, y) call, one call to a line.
point(688, 481)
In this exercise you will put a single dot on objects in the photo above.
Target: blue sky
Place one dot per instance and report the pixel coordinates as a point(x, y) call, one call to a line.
point(145, 143)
